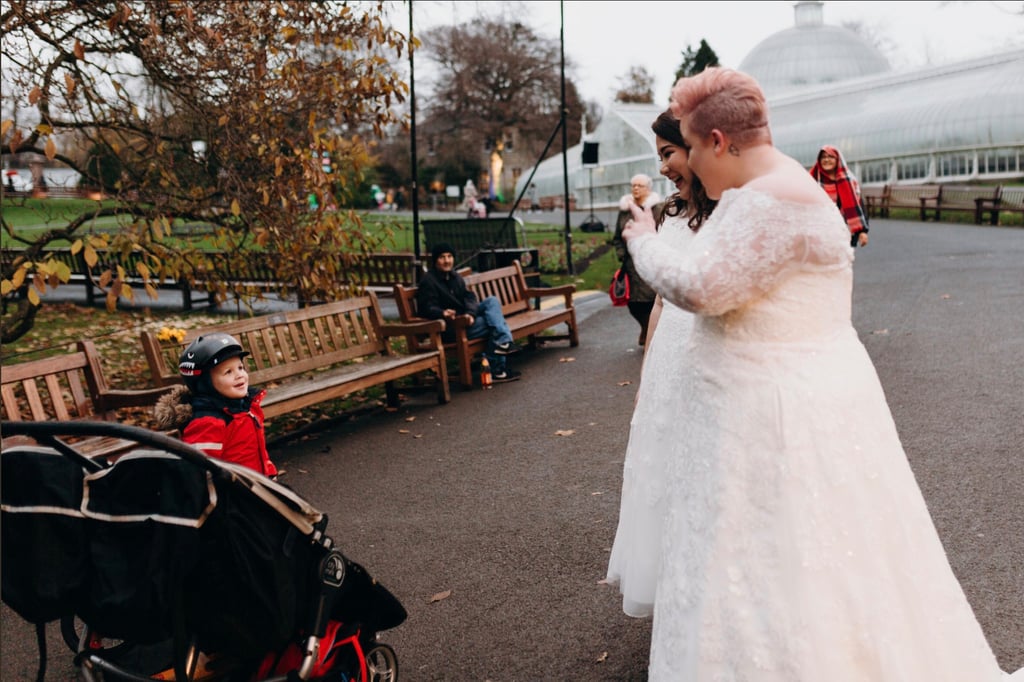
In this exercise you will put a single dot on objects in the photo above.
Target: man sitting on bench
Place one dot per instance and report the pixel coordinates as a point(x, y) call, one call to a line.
point(442, 294)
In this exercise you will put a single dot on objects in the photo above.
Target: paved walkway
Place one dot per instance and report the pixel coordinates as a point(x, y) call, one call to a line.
point(492, 517)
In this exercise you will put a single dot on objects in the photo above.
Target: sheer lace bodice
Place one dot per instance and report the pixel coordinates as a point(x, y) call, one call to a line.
point(768, 510)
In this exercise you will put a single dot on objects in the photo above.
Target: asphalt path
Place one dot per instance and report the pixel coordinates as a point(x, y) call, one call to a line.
point(491, 517)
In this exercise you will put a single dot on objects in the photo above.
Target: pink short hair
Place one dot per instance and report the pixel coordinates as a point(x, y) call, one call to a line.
point(728, 100)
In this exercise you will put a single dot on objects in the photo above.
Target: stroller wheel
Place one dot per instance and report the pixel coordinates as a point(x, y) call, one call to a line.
point(76, 633)
point(381, 664)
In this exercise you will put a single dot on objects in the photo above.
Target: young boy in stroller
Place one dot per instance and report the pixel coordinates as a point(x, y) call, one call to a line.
point(215, 408)
point(185, 567)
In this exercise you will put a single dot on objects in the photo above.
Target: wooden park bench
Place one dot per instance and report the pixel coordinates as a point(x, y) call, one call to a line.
point(82, 274)
point(875, 199)
point(70, 387)
point(508, 284)
point(909, 196)
point(1009, 199)
point(953, 198)
point(306, 356)
point(377, 272)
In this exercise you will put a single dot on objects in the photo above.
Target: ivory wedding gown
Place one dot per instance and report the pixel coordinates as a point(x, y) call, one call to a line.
point(768, 510)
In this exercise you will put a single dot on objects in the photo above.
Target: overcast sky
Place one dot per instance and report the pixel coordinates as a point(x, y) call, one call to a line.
point(605, 38)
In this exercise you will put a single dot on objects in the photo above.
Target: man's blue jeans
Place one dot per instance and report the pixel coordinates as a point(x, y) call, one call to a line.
point(489, 322)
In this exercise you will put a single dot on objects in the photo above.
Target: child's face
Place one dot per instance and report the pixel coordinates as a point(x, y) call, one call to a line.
point(230, 379)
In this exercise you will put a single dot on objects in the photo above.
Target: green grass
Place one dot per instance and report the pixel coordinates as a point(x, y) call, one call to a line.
point(386, 232)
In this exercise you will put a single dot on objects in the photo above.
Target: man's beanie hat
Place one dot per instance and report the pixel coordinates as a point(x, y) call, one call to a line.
point(441, 248)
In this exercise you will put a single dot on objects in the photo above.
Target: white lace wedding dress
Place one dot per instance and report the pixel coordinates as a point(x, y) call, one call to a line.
point(795, 545)
point(636, 553)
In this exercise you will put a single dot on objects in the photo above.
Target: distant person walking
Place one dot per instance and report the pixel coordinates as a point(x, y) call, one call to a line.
point(842, 187)
point(641, 296)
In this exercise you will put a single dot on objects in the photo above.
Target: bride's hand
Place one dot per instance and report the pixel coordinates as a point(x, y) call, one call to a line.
point(641, 223)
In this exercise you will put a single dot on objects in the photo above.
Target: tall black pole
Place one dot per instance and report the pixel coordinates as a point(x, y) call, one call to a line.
point(565, 149)
point(412, 146)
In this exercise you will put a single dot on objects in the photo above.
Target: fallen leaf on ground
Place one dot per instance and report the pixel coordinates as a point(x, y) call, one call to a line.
point(439, 596)
point(565, 432)
point(410, 419)
point(625, 383)
point(403, 430)
point(567, 359)
point(946, 296)
point(418, 435)
point(881, 332)
point(602, 657)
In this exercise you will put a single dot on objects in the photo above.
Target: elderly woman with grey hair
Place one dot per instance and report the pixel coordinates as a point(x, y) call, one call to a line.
point(641, 296)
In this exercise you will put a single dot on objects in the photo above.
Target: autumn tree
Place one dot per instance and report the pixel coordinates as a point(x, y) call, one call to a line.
point(197, 112)
point(492, 75)
point(695, 61)
point(636, 87)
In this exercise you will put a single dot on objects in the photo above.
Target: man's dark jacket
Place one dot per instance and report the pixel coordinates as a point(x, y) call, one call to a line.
point(438, 291)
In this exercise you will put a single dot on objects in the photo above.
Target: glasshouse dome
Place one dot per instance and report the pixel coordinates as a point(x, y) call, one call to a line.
point(811, 53)
point(959, 122)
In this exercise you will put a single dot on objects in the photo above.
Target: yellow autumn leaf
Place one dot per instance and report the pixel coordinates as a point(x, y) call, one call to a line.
point(35, 95)
point(6, 287)
point(142, 269)
point(79, 50)
point(76, 246)
point(51, 148)
point(63, 271)
point(33, 296)
point(19, 277)
point(91, 258)
point(5, 126)
point(151, 291)
point(44, 129)
point(235, 208)
point(69, 83)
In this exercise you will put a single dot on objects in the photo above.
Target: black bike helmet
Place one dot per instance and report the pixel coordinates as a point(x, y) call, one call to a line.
point(204, 353)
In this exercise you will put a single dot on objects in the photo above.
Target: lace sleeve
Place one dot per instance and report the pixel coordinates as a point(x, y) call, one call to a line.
point(751, 242)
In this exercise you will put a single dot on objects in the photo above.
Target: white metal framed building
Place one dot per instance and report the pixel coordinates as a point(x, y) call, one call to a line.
point(958, 122)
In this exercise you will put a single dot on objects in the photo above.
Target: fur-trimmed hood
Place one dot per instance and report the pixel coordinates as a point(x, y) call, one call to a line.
point(650, 201)
point(174, 409)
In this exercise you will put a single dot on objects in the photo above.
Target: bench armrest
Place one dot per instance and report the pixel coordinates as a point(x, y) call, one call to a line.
point(118, 398)
point(565, 290)
point(461, 322)
point(411, 328)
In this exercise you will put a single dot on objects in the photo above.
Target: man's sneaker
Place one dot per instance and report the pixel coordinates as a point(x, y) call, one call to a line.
point(507, 348)
point(506, 376)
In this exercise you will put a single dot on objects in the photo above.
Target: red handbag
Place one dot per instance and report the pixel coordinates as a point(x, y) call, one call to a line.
point(618, 290)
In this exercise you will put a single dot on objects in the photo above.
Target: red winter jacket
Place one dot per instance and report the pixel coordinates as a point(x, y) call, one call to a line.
point(229, 434)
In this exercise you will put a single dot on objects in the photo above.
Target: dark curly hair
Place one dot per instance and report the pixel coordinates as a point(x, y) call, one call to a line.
point(666, 126)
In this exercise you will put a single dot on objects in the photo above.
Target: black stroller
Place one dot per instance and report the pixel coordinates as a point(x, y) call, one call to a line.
point(162, 563)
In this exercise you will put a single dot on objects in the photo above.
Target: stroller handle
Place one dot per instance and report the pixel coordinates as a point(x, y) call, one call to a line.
point(48, 432)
